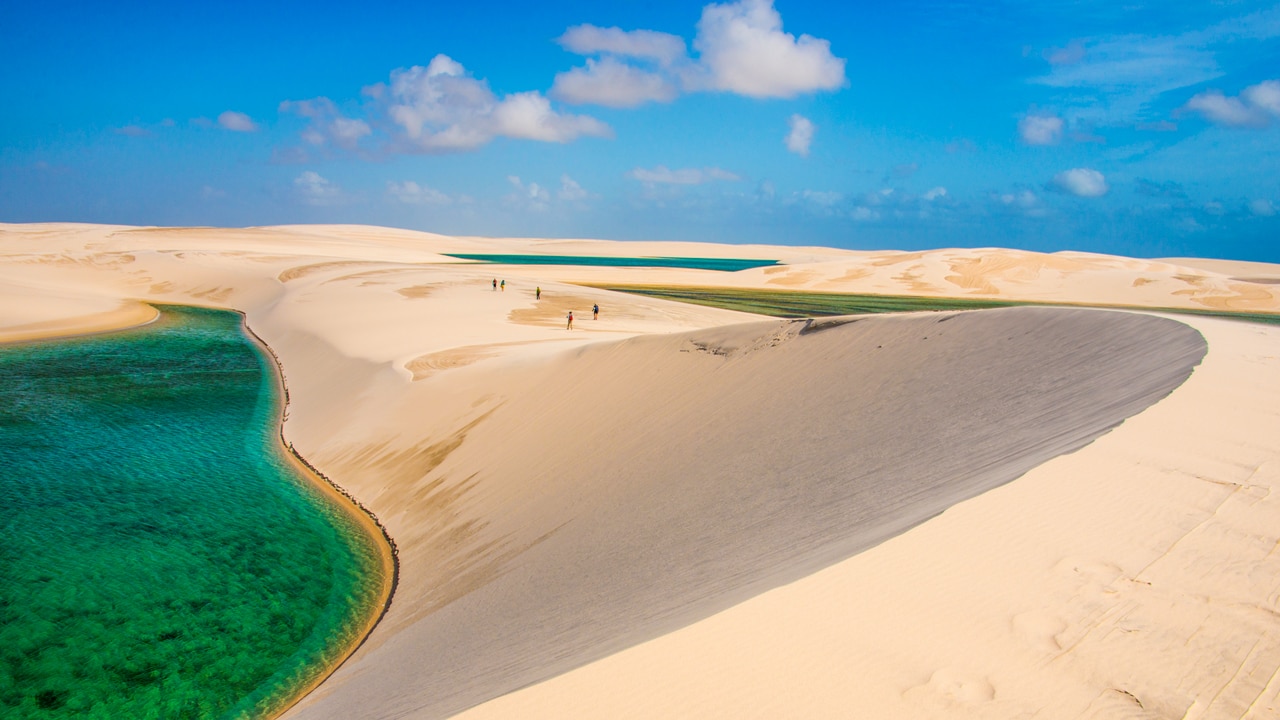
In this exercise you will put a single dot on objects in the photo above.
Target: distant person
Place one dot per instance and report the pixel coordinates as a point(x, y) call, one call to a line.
point(595, 312)
point(537, 293)
point(570, 325)
point(495, 284)
point(504, 286)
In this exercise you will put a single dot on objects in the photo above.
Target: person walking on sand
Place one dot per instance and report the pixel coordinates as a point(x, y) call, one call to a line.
point(504, 286)
point(495, 284)
point(595, 311)
point(537, 293)
point(570, 325)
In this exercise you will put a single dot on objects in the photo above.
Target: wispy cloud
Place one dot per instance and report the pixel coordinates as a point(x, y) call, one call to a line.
point(528, 196)
point(685, 176)
point(411, 193)
point(571, 191)
point(314, 190)
point(328, 126)
point(1115, 79)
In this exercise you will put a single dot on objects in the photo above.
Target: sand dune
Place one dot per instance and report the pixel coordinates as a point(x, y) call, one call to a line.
point(634, 488)
point(678, 501)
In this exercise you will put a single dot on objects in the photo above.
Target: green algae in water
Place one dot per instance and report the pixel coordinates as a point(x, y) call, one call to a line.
point(159, 555)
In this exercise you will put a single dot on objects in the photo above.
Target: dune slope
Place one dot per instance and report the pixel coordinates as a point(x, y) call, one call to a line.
point(624, 490)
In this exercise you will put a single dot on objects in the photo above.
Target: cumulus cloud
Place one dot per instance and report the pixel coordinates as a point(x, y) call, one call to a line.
point(686, 176)
point(741, 46)
point(1262, 208)
point(800, 136)
point(440, 108)
point(1082, 182)
point(132, 131)
point(660, 47)
point(1256, 106)
point(612, 83)
point(1264, 96)
point(744, 50)
point(328, 126)
point(411, 193)
point(935, 193)
point(1040, 129)
point(315, 190)
point(236, 121)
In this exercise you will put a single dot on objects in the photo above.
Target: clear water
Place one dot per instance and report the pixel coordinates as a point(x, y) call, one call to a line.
point(159, 555)
point(723, 264)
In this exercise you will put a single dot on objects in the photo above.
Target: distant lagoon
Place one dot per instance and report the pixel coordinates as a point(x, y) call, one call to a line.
point(161, 554)
point(723, 264)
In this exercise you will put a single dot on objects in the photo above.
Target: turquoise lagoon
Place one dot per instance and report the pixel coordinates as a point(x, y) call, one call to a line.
point(722, 264)
point(160, 555)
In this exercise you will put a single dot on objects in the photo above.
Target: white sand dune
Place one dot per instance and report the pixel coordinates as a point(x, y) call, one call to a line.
point(679, 511)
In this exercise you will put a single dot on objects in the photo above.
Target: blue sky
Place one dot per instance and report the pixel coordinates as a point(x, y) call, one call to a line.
point(1148, 129)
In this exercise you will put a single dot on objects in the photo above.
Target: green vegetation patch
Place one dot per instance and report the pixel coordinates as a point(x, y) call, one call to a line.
point(800, 304)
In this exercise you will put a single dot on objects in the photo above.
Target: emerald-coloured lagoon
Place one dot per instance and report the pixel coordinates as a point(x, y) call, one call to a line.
point(160, 555)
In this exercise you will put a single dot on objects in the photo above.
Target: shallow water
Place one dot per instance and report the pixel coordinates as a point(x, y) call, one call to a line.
point(723, 264)
point(159, 555)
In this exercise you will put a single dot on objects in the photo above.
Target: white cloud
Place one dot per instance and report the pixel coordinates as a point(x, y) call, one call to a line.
point(237, 121)
point(1255, 107)
point(132, 131)
point(686, 176)
point(935, 193)
point(864, 214)
point(1222, 110)
point(1262, 208)
point(1040, 129)
point(1082, 182)
point(570, 190)
point(328, 125)
point(315, 190)
point(439, 108)
point(1264, 96)
point(612, 83)
point(744, 50)
point(801, 135)
point(644, 44)
point(411, 193)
